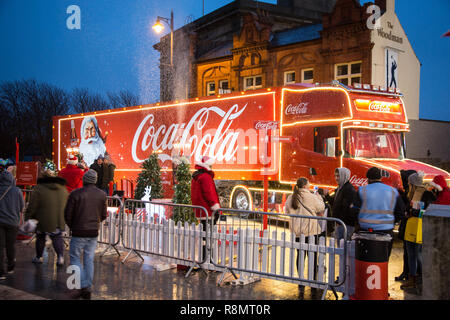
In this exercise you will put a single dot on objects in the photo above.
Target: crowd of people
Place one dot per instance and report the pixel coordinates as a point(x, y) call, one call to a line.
point(75, 197)
point(375, 207)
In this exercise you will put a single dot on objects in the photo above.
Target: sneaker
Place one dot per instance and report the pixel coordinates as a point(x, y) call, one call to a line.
point(10, 270)
point(37, 260)
point(60, 261)
point(2, 277)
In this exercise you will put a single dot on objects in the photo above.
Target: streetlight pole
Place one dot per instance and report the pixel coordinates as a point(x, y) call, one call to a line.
point(158, 28)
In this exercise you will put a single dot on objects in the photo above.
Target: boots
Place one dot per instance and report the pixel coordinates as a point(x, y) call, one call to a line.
point(410, 286)
point(402, 277)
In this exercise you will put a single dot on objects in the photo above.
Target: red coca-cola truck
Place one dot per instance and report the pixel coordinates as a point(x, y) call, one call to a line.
point(279, 133)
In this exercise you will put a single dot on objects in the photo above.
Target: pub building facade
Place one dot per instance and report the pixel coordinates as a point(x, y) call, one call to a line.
point(249, 45)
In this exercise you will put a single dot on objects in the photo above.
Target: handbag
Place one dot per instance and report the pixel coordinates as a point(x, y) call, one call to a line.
point(413, 230)
point(29, 226)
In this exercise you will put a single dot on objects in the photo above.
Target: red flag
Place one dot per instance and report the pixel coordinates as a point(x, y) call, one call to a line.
point(447, 34)
point(17, 152)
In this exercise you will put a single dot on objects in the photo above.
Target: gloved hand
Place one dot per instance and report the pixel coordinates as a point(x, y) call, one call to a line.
point(215, 207)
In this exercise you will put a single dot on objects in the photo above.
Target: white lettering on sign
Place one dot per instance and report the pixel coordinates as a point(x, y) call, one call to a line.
point(359, 182)
point(266, 125)
point(300, 108)
point(374, 280)
point(164, 138)
point(380, 107)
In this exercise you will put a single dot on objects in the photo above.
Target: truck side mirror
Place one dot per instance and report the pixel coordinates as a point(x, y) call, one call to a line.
point(312, 172)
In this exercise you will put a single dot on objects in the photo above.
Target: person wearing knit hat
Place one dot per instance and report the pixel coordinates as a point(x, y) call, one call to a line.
point(90, 177)
point(442, 190)
point(72, 159)
point(417, 194)
point(379, 206)
point(374, 174)
point(85, 209)
point(204, 193)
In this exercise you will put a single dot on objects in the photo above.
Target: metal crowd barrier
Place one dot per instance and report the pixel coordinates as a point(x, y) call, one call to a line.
point(148, 229)
point(243, 245)
point(251, 243)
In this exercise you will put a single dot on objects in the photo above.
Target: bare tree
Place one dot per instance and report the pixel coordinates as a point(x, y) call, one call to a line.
point(31, 106)
point(82, 100)
point(122, 99)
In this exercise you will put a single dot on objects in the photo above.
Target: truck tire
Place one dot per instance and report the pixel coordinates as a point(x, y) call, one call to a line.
point(241, 200)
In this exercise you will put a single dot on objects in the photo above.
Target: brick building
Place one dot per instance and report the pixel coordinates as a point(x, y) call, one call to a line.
point(248, 45)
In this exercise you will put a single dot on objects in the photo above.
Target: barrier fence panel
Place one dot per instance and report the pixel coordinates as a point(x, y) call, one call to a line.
point(264, 245)
point(254, 244)
point(148, 228)
point(110, 228)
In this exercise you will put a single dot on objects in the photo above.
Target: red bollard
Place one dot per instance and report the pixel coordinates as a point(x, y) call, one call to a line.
point(111, 188)
point(371, 266)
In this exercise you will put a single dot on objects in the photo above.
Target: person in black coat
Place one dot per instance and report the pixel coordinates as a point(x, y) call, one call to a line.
point(98, 167)
point(341, 203)
point(401, 229)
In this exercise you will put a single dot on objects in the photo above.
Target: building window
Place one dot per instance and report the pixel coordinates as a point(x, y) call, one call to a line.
point(251, 83)
point(289, 77)
point(348, 73)
point(210, 88)
point(308, 75)
point(224, 87)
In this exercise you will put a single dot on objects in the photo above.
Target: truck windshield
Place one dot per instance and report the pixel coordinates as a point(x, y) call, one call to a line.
point(374, 144)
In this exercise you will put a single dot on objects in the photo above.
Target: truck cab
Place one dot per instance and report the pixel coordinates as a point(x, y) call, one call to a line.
point(339, 126)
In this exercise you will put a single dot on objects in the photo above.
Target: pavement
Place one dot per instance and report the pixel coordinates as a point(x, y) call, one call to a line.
point(136, 280)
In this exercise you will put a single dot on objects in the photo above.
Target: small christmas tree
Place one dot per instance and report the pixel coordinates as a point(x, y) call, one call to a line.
point(149, 176)
point(182, 189)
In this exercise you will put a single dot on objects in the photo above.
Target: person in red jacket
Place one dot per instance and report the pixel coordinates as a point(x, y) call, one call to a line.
point(443, 192)
point(204, 193)
point(73, 174)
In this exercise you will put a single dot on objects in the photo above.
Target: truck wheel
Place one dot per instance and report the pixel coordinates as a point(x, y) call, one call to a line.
point(241, 200)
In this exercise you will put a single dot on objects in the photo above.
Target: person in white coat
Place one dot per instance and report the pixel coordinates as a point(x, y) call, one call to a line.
point(305, 203)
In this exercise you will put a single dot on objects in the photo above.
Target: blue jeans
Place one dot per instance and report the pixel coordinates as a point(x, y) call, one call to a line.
point(414, 251)
point(339, 233)
point(85, 247)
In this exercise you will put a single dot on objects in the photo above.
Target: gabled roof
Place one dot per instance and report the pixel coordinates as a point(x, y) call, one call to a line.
point(301, 34)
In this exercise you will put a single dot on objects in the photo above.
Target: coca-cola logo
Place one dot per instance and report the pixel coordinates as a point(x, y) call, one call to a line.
point(266, 125)
point(380, 107)
point(358, 181)
point(221, 143)
point(301, 108)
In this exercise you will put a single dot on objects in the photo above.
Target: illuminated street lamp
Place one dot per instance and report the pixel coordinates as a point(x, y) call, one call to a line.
point(158, 27)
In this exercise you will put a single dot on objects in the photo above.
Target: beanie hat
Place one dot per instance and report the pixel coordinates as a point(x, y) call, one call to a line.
point(205, 162)
point(373, 173)
point(439, 183)
point(90, 177)
point(416, 179)
point(72, 159)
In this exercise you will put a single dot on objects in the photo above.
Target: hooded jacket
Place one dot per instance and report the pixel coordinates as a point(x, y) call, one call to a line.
point(203, 191)
point(12, 203)
point(73, 176)
point(343, 198)
point(47, 203)
point(314, 203)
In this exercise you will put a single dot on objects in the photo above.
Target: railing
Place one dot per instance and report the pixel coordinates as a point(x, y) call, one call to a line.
point(252, 244)
point(243, 245)
point(148, 229)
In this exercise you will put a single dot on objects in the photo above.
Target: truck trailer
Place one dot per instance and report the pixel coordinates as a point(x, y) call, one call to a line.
point(278, 134)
